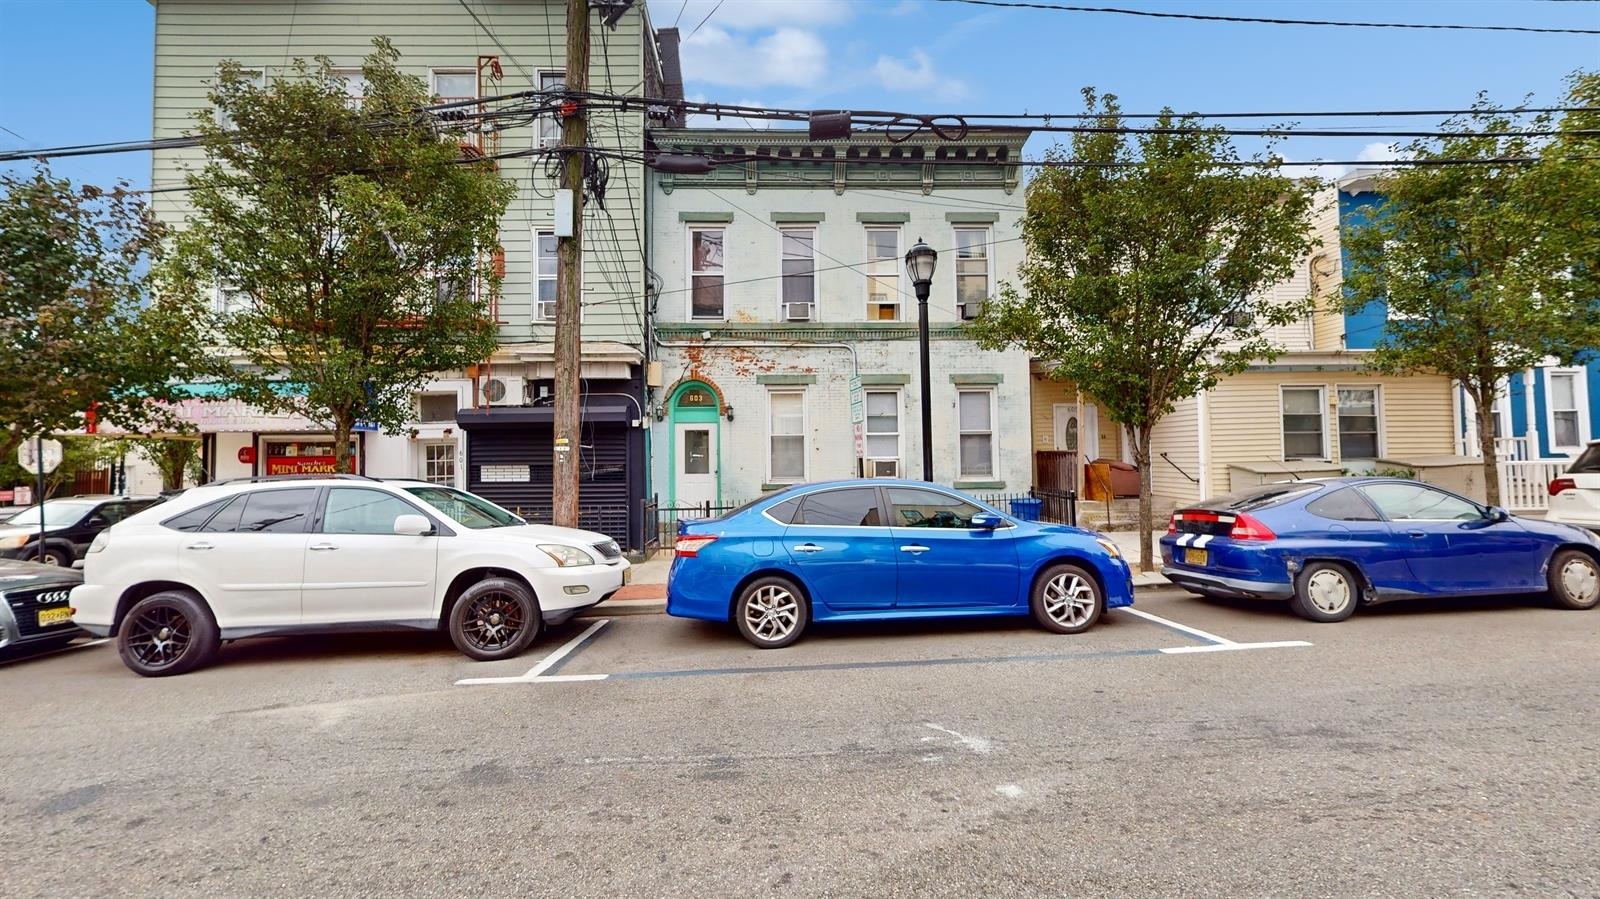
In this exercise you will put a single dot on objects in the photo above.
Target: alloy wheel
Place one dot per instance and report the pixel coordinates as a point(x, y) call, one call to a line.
point(771, 613)
point(159, 636)
point(1329, 591)
point(493, 621)
point(1581, 580)
point(1069, 600)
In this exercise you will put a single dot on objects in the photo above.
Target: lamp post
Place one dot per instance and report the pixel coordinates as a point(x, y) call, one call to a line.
point(920, 262)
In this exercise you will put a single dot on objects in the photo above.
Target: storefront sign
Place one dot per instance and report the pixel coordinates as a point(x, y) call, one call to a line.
point(300, 465)
point(222, 416)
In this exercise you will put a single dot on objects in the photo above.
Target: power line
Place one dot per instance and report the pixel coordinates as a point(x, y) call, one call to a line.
point(1199, 17)
point(680, 13)
point(496, 38)
point(706, 19)
point(14, 134)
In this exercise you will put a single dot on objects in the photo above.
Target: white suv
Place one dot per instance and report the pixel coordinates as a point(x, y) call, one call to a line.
point(281, 555)
point(1575, 496)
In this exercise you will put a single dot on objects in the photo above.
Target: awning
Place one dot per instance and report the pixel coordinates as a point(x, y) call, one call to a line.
point(619, 410)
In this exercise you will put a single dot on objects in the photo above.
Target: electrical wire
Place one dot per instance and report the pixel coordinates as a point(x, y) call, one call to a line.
point(705, 20)
point(489, 32)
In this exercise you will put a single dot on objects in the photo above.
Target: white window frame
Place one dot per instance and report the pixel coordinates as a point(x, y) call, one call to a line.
point(898, 260)
point(553, 278)
point(1580, 397)
point(220, 117)
point(688, 266)
point(784, 231)
point(1377, 409)
point(805, 434)
point(993, 474)
point(1322, 408)
point(988, 253)
point(553, 118)
point(423, 462)
point(899, 426)
point(433, 81)
point(343, 76)
point(219, 305)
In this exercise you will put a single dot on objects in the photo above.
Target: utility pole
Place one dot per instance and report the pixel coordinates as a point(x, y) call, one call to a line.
point(569, 275)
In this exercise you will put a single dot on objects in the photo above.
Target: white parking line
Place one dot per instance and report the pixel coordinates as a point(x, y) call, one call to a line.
point(1193, 631)
point(1230, 647)
point(536, 673)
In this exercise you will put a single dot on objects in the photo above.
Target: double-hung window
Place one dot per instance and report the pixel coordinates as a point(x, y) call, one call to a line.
point(799, 269)
point(883, 425)
point(1358, 423)
point(353, 83)
point(550, 123)
point(544, 276)
point(256, 78)
point(706, 273)
point(439, 463)
point(972, 270)
point(786, 436)
point(883, 274)
point(1566, 396)
point(975, 413)
point(454, 86)
point(1303, 428)
point(228, 300)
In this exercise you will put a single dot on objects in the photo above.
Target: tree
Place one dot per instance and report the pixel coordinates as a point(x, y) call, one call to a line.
point(77, 328)
point(1145, 265)
point(177, 459)
point(1485, 269)
point(352, 233)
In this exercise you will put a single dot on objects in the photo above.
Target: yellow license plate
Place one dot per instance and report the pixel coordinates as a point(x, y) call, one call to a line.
point(1199, 557)
point(54, 616)
point(627, 575)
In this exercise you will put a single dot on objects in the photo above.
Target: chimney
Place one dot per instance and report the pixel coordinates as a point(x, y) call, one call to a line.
point(671, 69)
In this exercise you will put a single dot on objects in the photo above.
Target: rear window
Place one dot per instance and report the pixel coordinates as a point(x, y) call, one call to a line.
point(1342, 505)
point(1588, 462)
point(850, 507)
point(1262, 497)
point(194, 519)
point(785, 510)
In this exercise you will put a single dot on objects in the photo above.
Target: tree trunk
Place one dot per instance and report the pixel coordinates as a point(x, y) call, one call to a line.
point(343, 426)
point(1484, 399)
point(1147, 540)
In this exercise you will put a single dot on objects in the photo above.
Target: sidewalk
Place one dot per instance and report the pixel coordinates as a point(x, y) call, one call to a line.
point(647, 587)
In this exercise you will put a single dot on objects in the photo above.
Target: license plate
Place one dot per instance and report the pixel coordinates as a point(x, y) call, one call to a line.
point(627, 575)
point(50, 617)
point(1200, 557)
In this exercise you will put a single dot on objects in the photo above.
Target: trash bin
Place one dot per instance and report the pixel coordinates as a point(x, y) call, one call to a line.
point(1027, 508)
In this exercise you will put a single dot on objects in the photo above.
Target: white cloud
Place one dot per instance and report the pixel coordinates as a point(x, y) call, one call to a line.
point(1382, 152)
point(740, 15)
point(788, 56)
point(917, 74)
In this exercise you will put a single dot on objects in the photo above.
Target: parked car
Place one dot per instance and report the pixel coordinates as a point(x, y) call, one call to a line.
point(872, 550)
point(35, 611)
point(70, 525)
point(1575, 496)
point(295, 554)
point(1328, 546)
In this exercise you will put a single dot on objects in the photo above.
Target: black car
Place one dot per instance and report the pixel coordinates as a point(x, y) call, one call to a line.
point(35, 611)
point(70, 525)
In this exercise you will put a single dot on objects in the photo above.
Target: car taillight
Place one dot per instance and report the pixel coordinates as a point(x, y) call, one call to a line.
point(1172, 524)
point(1248, 528)
point(1560, 484)
point(688, 546)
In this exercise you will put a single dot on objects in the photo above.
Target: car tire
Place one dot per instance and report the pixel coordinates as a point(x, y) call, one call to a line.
point(53, 555)
point(167, 633)
point(1574, 580)
point(771, 612)
point(1066, 599)
point(495, 618)
point(1325, 592)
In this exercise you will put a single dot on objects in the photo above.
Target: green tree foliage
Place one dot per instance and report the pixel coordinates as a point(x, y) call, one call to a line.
point(177, 459)
point(353, 233)
point(1485, 269)
point(76, 327)
point(1143, 283)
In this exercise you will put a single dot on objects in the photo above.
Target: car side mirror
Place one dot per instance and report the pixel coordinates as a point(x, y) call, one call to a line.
point(412, 526)
point(984, 521)
point(1497, 515)
point(97, 521)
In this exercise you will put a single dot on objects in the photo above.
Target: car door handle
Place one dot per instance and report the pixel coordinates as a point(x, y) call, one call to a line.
point(198, 546)
point(322, 547)
point(914, 548)
point(1418, 535)
point(808, 548)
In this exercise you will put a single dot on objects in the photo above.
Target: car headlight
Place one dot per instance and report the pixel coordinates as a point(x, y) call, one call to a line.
point(566, 556)
point(100, 541)
point(16, 541)
point(1110, 547)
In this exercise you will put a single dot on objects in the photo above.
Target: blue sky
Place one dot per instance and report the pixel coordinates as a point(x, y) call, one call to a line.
point(78, 71)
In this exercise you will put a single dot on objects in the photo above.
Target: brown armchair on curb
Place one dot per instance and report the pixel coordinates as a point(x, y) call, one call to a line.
point(1110, 479)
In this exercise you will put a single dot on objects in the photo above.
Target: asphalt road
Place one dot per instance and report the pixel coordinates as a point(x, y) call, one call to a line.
point(1434, 750)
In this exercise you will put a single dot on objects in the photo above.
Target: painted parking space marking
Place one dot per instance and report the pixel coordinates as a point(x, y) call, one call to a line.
point(1181, 628)
point(1234, 647)
point(549, 664)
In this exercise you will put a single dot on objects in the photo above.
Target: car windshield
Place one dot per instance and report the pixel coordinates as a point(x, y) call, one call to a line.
point(469, 511)
point(56, 514)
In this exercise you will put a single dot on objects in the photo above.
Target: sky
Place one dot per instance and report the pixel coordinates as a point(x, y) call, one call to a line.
point(78, 71)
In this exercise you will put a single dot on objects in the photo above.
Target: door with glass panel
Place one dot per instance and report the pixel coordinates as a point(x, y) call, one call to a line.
point(695, 481)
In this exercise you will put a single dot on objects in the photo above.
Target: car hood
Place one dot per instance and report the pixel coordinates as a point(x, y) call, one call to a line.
point(538, 533)
point(18, 575)
point(11, 530)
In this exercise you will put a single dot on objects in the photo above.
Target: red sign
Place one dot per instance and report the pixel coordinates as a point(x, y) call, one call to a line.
point(91, 419)
point(301, 465)
point(247, 455)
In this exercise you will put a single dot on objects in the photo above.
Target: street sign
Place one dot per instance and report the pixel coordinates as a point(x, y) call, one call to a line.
point(39, 456)
point(858, 409)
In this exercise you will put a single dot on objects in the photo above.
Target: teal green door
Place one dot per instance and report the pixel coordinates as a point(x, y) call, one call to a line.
point(695, 454)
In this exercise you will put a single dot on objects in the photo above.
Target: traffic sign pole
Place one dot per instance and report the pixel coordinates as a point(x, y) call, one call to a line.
point(38, 502)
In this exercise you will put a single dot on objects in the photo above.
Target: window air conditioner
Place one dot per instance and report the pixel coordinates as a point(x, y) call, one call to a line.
point(972, 310)
point(797, 312)
point(883, 468)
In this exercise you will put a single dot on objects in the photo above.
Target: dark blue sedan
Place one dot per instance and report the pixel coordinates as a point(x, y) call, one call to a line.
point(875, 550)
point(1328, 546)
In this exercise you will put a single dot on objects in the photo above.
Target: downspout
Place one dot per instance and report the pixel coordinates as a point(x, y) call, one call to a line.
point(1458, 425)
point(1202, 409)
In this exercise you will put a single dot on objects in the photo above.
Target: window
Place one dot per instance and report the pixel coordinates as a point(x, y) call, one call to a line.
point(229, 300)
point(786, 457)
point(354, 510)
point(451, 85)
point(435, 407)
point(799, 268)
point(353, 83)
point(1358, 423)
point(784, 512)
point(1415, 502)
point(275, 511)
point(194, 519)
point(975, 413)
point(705, 273)
point(851, 507)
point(439, 463)
point(550, 124)
point(883, 424)
point(1343, 505)
point(1565, 401)
point(227, 521)
point(972, 270)
point(883, 274)
point(1302, 423)
point(544, 280)
point(465, 509)
point(451, 288)
point(929, 509)
point(255, 78)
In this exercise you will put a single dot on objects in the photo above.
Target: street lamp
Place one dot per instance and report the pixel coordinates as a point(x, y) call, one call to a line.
point(920, 262)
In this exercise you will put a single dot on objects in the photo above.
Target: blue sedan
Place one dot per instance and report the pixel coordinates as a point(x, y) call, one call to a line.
point(874, 550)
point(1328, 546)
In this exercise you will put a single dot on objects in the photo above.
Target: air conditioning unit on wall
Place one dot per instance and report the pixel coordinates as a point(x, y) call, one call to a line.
point(883, 468)
point(797, 312)
point(501, 391)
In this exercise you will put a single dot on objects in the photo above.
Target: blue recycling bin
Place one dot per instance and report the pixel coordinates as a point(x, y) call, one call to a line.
point(1027, 508)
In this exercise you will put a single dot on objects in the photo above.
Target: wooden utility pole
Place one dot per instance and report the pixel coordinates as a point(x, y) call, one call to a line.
point(569, 277)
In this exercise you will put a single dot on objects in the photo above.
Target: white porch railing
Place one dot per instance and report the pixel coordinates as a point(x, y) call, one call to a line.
point(1525, 484)
point(1511, 448)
